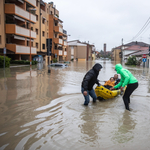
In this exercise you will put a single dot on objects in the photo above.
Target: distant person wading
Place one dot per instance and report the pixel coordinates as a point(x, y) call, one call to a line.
point(88, 82)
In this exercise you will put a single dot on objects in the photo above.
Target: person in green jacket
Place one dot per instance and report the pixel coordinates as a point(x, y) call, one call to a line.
point(127, 79)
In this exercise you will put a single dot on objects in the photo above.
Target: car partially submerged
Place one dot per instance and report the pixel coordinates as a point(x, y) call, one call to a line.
point(58, 65)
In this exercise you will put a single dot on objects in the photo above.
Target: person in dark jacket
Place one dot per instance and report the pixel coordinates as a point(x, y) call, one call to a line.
point(88, 82)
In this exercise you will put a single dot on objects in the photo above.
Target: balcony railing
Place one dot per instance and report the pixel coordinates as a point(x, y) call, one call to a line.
point(14, 29)
point(58, 29)
point(20, 49)
point(58, 41)
point(32, 2)
point(13, 9)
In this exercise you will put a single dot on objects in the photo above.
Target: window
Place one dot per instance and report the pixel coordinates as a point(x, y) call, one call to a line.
point(31, 44)
point(32, 28)
point(43, 33)
point(37, 3)
point(36, 31)
point(28, 43)
point(43, 46)
point(37, 45)
point(43, 20)
point(47, 35)
point(47, 23)
point(36, 17)
point(0, 40)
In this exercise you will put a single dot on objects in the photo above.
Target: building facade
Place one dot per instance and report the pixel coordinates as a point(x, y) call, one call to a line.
point(25, 21)
point(16, 19)
point(79, 51)
point(118, 53)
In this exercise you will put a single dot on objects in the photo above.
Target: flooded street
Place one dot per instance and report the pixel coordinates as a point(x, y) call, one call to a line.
point(41, 111)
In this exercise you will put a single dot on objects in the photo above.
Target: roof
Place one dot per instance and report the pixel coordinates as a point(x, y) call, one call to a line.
point(75, 43)
point(136, 48)
point(137, 43)
point(141, 53)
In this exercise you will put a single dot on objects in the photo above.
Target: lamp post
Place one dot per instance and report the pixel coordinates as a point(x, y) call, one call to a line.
point(33, 9)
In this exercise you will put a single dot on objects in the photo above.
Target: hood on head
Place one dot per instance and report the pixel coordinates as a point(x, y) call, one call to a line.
point(118, 67)
point(97, 67)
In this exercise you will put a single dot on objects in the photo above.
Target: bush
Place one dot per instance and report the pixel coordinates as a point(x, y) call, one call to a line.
point(7, 61)
point(131, 61)
point(54, 60)
point(23, 62)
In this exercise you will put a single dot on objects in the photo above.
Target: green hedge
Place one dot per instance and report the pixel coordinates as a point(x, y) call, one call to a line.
point(7, 61)
point(23, 62)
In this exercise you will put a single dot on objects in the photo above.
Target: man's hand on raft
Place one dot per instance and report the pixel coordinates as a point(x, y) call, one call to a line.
point(112, 88)
point(122, 89)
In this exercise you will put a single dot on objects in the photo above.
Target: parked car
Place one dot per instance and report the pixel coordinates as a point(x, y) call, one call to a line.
point(58, 65)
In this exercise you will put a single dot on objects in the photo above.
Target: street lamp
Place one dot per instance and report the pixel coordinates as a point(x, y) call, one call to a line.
point(30, 9)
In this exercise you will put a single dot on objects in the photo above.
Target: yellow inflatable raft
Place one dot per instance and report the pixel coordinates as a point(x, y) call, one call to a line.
point(103, 93)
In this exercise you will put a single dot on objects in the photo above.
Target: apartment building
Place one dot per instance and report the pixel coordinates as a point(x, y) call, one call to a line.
point(80, 51)
point(57, 34)
point(16, 17)
point(22, 19)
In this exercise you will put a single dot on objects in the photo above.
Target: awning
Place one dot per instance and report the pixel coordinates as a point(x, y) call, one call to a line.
point(19, 38)
point(42, 53)
point(31, 40)
point(21, 1)
point(44, 18)
point(16, 17)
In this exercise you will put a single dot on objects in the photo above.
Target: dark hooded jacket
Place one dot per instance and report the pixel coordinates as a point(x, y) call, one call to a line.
point(91, 77)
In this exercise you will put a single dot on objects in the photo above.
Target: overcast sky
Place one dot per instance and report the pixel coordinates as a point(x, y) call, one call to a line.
point(104, 21)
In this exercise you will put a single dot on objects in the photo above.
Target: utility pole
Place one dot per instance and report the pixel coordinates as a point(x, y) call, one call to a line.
point(121, 51)
point(49, 48)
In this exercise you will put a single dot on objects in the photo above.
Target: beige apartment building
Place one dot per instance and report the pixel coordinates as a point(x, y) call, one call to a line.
point(21, 20)
point(79, 51)
point(15, 23)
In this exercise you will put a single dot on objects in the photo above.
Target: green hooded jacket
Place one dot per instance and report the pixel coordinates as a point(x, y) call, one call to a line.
point(126, 76)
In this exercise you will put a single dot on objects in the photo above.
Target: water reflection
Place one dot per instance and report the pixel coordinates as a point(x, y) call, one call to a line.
point(89, 128)
point(126, 128)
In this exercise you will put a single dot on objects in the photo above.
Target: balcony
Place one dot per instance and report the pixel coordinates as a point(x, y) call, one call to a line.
point(31, 2)
point(58, 29)
point(14, 29)
point(20, 49)
point(15, 10)
point(58, 52)
point(58, 41)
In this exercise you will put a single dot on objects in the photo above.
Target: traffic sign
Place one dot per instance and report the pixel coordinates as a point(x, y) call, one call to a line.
point(4, 50)
point(144, 60)
point(144, 55)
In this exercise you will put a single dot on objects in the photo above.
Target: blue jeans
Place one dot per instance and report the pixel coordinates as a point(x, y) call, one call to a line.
point(87, 98)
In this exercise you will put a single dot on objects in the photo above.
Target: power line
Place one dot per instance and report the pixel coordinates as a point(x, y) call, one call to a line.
point(142, 29)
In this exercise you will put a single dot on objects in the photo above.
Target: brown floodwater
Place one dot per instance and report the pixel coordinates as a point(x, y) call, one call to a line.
point(41, 111)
